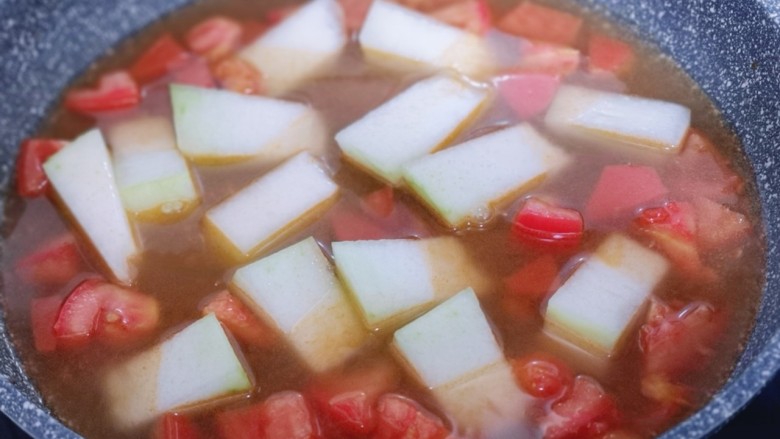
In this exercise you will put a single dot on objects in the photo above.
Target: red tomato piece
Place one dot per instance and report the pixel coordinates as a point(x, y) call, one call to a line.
point(287, 416)
point(542, 23)
point(241, 423)
point(586, 411)
point(160, 58)
point(239, 319)
point(97, 309)
point(349, 225)
point(215, 37)
point(550, 59)
point(355, 12)
point(471, 15)
point(115, 90)
point(194, 71)
point(528, 94)
point(43, 314)
point(31, 180)
point(542, 223)
point(542, 375)
point(380, 202)
point(718, 226)
point(175, 426)
point(677, 217)
point(277, 15)
point(238, 75)
point(54, 263)
point(534, 280)
point(402, 418)
point(607, 54)
point(621, 190)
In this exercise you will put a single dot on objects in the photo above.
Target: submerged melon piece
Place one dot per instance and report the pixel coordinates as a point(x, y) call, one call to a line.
point(154, 180)
point(617, 119)
point(197, 365)
point(82, 175)
point(288, 197)
point(296, 291)
point(217, 126)
point(305, 43)
point(452, 350)
point(410, 125)
point(464, 182)
point(597, 304)
point(392, 279)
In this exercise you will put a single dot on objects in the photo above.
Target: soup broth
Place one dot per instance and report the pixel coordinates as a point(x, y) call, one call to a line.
point(695, 211)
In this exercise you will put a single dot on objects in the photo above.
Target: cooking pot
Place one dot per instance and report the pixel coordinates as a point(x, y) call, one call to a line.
point(728, 46)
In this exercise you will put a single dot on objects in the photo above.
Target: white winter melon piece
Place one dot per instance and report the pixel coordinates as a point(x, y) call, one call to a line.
point(465, 182)
point(597, 304)
point(392, 279)
point(301, 46)
point(197, 365)
point(218, 126)
point(410, 125)
point(288, 197)
point(296, 291)
point(82, 175)
point(617, 119)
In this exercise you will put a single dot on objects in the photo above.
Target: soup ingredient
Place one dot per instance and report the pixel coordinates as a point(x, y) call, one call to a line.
point(175, 426)
point(596, 305)
point(621, 190)
point(284, 415)
point(163, 56)
point(215, 37)
point(237, 75)
point(53, 263)
point(239, 319)
point(31, 181)
point(299, 47)
point(538, 22)
point(82, 176)
point(412, 124)
point(297, 293)
point(243, 224)
point(470, 15)
point(43, 314)
point(542, 375)
point(529, 94)
point(547, 225)
point(115, 90)
point(586, 411)
point(611, 55)
point(197, 365)
point(400, 417)
point(463, 183)
point(392, 279)
point(526, 287)
point(222, 126)
point(453, 352)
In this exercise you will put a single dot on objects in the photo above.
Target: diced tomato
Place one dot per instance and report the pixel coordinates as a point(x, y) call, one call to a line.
point(621, 189)
point(238, 75)
point(607, 54)
point(355, 12)
point(351, 225)
point(160, 58)
point(534, 280)
point(402, 418)
point(215, 37)
point(43, 314)
point(115, 90)
point(528, 94)
point(31, 180)
point(194, 71)
point(175, 426)
point(586, 411)
point(677, 217)
point(380, 202)
point(541, 223)
point(54, 263)
point(471, 15)
point(542, 375)
point(369, 222)
point(718, 226)
point(241, 423)
point(550, 59)
point(287, 416)
point(276, 15)
point(97, 309)
point(239, 319)
point(542, 23)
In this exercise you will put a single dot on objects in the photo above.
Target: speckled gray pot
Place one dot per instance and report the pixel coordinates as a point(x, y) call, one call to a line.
point(728, 46)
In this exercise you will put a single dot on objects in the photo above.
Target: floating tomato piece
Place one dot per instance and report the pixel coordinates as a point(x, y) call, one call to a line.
point(717, 226)
point(621, 190)
point(31, 179)
point(238, 75)
point(380, 202)
point(402, 418)
point(215, 37)
point(550, 59)
point(471, 15)
point(287, 416)
point(541, 223)
point(239, 319)
point(534, 280)
point(542, 375)
point(355, 12)
point(194, 71)
point(586, 411)
point(160, 58)
point(97, 309)
point(677, 217)
point(54, 263)
point(43, 314)
point(241, 423)
point(175, 426)
point(528, 94)
point(607, 54)
point(351, 225)
point(115, 90)
point(542, 23)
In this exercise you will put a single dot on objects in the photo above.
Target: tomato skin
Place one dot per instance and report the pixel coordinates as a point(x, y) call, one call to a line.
point(215, 37)
point(43, 314)
point(287, 416)
point(175, 426)
point(402, 418)
point(115, 90)
point(239, 319)
point(54, 263)
point(607, 54)
point(586, 411)
point(160, 58)
point(31, 179)
point(542, 375)
point(538, 22)
point(541, 223)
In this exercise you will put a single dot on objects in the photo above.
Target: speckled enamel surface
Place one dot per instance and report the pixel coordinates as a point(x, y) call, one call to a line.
point(730, 47)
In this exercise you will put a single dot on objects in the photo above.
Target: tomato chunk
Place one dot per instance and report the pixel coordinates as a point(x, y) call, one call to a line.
point(621, 190)
point(115, 90)
point(241, 423)
point(284, 415)
point(380, 202)
point(541, 223)
point(215, 37)
point(239, 319)
point(193, 71)
point(542, 23)
point(238, 75)
point(355, 12)
point(160, 58)
point(31, 180)
point(175, 426)
point(528, 94)
point(545, 58)
point(349, 225)
point(402, 418)
point(43, 314)
point(586, 411)
point(607, 54)
point(99, 310)
point(534, 280)
point(471, 15)
point(54, 263)
point(718, 226)
point(542, 375)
